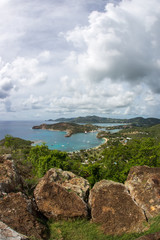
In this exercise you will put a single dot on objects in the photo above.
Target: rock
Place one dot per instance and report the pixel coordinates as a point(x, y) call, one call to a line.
point(60, 194)
point(6, 233)
point(7, 156)
point(9, 179)
point(69, 181)
point(144, 185)
point(153, 236)
point(113, 208)
point(17, 212)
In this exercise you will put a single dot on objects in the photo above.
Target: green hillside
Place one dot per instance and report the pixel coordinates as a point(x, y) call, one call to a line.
point(138, 121)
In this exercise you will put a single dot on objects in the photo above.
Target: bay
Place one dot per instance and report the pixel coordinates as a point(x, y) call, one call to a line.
point(53, 139)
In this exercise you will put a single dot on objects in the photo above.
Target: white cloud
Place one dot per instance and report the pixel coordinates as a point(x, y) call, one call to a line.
point(45, 56)
point(33, 103)
point(121, 44)
point(79, 57)
point(22, 72)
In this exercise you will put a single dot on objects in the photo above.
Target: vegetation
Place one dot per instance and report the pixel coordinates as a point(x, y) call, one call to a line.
point(112, 160)
point(70, 128)
point(15, 143)
point(42, 159)
point(138, 121)
point(84, 230)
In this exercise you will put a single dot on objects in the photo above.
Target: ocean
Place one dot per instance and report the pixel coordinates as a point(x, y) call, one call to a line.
point(53, 139)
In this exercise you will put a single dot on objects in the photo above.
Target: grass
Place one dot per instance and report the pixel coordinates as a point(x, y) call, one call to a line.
point(84, 230)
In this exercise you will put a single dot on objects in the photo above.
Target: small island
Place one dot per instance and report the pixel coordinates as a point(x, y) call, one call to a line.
point(69, 128)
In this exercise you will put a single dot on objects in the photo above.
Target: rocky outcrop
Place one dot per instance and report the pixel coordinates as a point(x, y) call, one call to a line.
point(6, 233)
point(61, 194)
point(69, 181)
point(9, 179)
point(112, 207)
point(144, 185)
point(17, 212)
point(153, 236)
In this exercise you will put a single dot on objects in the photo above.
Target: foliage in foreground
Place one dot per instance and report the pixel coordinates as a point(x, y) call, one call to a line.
point(116, 160)
point(115, 164)
point(43, 159)
point(15, 143)
point(84, 230)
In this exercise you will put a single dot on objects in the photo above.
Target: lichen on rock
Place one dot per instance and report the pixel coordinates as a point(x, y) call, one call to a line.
point(60, 195)
point(113, 208)
point(17, 211)
point(10, 181)
point(143, 182)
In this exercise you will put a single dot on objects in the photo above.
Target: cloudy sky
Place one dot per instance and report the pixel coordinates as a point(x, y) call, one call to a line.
point(66, 58)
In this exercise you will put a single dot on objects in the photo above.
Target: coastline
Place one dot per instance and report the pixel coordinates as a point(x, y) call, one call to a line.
point(36, 142)
point(94, 148)
point(106, 140)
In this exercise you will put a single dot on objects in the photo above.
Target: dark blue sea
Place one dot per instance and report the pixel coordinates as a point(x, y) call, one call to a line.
point(53, 139)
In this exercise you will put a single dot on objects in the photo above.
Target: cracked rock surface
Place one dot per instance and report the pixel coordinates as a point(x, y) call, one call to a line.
point(60, 195)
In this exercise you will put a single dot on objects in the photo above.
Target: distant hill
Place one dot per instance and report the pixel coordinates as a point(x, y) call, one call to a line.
point(138, 121)
point(90, 119)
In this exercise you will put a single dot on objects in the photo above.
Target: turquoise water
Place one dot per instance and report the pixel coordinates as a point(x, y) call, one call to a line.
point(57, 140)
point(53, 139)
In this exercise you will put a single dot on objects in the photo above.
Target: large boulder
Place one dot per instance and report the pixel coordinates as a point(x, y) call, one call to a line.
point(6, 233)
point(153, 236)
point(144, 185)
point(9, 179)
point(18, 213)
point(61, 194)
point(113, 208)
point(69, 181)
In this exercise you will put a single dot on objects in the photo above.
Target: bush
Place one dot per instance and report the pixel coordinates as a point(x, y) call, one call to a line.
point(43, 159)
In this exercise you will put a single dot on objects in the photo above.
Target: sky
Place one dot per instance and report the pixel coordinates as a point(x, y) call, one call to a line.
point(68, 58)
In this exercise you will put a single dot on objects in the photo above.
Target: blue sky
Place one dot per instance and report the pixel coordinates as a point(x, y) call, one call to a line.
point(66, 58)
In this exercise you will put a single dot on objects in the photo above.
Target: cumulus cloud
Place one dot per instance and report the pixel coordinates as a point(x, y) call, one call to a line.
point(33, 102)
point(121, 44)
point(79, 57)
point(20, 73)
point(104, 97)
point(3, 94)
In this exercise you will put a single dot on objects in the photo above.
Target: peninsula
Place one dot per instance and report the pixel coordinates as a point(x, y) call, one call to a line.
point(69, 128)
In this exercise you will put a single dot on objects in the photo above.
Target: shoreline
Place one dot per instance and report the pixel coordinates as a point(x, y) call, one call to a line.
point(94, 148)
point(38, 142)
point(97, 147)
point(106, 140)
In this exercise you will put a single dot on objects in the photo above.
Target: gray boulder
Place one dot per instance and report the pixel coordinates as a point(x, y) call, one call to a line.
point(6, 233)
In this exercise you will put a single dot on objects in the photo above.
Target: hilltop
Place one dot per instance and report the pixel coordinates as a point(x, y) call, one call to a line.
point(46, 195)
point(49, 194)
